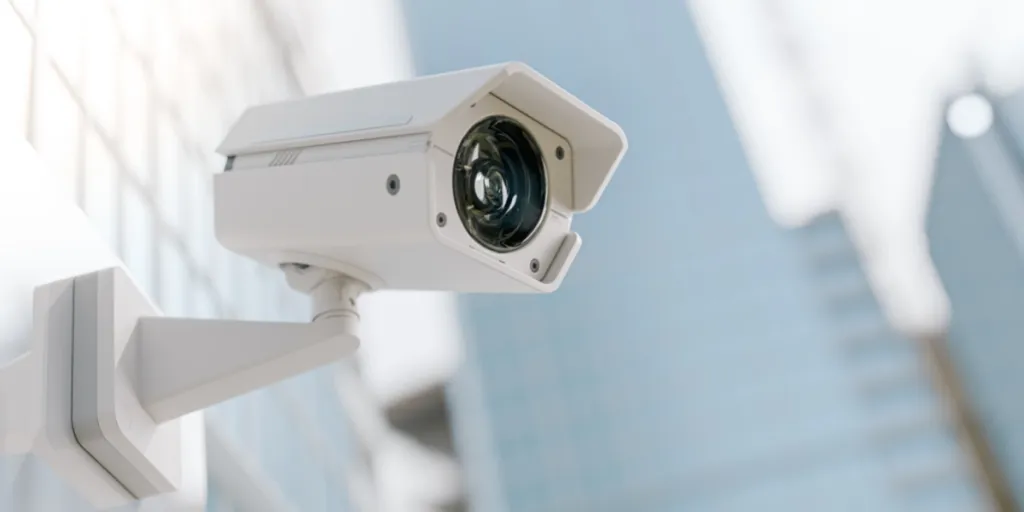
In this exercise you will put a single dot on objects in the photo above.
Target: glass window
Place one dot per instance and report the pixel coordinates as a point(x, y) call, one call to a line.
point(56, 126)
point(135, 128)
point(25, 8)
point(59, 29)
point(135, 21)
point(169, 158)
point(16, 52)
point(173, 278)
point(137, 238)
point(102, 85)
point(100, 186)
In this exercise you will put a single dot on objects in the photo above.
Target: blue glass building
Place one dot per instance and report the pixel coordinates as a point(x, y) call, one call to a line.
point(976, 236)
point(688, 362)
point(912, 428)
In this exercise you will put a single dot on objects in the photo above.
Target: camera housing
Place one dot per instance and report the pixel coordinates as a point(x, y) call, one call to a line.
point(465, 181)
point(363, 182)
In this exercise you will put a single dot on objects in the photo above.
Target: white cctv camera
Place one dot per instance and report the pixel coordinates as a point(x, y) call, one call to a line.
point(464, 181)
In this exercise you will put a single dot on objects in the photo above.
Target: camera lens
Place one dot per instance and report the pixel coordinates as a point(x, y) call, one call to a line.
point(499, 183)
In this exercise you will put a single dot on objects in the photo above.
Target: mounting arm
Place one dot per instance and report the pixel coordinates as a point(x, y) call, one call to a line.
point(186, 365)
point(135, 373)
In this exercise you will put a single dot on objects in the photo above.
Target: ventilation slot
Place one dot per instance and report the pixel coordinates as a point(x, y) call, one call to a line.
point(285, 157)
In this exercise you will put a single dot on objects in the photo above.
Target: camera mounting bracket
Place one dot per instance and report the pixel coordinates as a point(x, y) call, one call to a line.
point(135, 373)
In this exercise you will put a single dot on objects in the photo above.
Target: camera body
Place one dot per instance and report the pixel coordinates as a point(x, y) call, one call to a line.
point(465, 181)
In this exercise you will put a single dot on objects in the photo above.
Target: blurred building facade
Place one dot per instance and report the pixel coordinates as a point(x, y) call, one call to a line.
point(425, 416)
point(975, 228)
point(912, 423)
point(127, 101)
point(692, 360)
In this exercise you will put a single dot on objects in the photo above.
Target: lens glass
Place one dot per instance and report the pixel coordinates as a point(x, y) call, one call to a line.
point(499, 183)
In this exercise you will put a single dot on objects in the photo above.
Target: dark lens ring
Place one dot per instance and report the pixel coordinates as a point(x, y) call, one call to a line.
point(500, 184)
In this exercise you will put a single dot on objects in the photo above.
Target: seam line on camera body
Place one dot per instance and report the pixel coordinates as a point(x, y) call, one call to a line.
point(329, 152)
